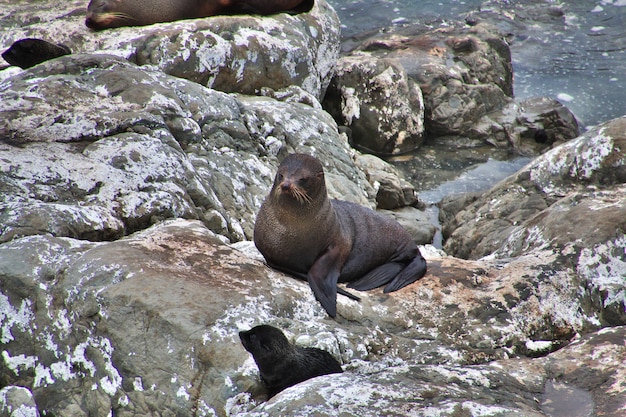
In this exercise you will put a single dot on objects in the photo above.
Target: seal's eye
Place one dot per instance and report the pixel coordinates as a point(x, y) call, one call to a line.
point(304, 181)
point(253, 338)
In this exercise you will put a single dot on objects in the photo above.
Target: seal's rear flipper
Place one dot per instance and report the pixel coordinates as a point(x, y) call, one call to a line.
point(377, 277)
point(411, 273)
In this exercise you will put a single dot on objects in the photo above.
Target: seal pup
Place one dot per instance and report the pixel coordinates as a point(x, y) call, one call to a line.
point(282, 364)
point(299, 230)
point(29, 52)
point(103, 14)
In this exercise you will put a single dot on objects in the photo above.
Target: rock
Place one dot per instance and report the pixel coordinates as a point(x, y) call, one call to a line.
point(17, 402)
point(465, 76)
point(449, 206)
point(229, 53)
point(157, 327)
point(416, 222)
point(103, 148)
point(586, 173)
point(382, 106)
point(397, 389)
point(463, 73)
point(530, 127)
point(392, 191)
point(570, 203)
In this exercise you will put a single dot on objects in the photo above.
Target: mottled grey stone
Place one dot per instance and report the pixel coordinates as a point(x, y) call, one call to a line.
point(229, 53)
point(383, 108)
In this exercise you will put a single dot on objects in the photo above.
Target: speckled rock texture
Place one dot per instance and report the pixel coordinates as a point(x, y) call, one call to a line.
point(229, 53)
point(127, 203)
point(95, 147)
point(381, 105)
point(570, 205)
point(149, 323)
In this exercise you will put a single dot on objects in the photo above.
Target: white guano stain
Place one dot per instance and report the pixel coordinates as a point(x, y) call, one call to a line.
point(138, 384)
point(182, 393)
point(591, 157)
point(604, 268)
point(22, 318)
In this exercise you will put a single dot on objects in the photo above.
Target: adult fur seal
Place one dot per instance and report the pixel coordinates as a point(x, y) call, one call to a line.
point(29, 52)
point(299, 230)
point(102, 14)
point(282, 364)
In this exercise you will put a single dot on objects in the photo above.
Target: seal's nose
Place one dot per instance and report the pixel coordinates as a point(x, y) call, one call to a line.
point(90, 23)
point(285, 185)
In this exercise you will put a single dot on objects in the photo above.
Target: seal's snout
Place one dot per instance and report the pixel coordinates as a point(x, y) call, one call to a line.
point(90, 23)
point(286, 186)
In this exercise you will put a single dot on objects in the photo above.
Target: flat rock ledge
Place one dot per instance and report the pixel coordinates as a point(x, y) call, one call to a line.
point(148, 324)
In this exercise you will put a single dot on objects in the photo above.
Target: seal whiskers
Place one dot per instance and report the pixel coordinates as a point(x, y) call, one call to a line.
point(300, 195)
point(109, 19)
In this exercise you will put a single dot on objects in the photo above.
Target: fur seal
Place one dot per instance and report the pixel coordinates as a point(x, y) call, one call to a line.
point(29, 52)
point(103, 14)
point(299, 230)
point(282, 364)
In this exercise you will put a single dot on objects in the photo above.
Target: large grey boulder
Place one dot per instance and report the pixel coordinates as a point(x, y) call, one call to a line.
point(569, 203)
point(95, 147)
point(464, 73)
point(229, 53)
point(582, 180)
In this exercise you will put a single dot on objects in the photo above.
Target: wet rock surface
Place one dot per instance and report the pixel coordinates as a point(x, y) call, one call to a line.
point(465, 77)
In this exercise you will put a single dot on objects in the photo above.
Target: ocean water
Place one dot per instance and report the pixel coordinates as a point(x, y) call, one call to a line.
point(578, 57)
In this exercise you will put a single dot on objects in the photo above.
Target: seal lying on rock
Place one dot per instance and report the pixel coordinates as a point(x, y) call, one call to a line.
point(299, 230)
point(29, 52)
point(282, 364)
point(103, 14)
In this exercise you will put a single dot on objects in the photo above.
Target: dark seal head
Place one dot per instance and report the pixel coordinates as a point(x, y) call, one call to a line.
point(282, 364)
point(104, 14)
point(29, 52)
point(299, 230)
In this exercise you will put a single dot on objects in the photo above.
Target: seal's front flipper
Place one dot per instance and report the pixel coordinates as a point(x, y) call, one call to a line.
point(377, 277)
point(411, 273)
point(325, 290)
point(323, 277)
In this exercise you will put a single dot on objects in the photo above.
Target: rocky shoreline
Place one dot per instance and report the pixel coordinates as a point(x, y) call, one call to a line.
point(131, 172)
